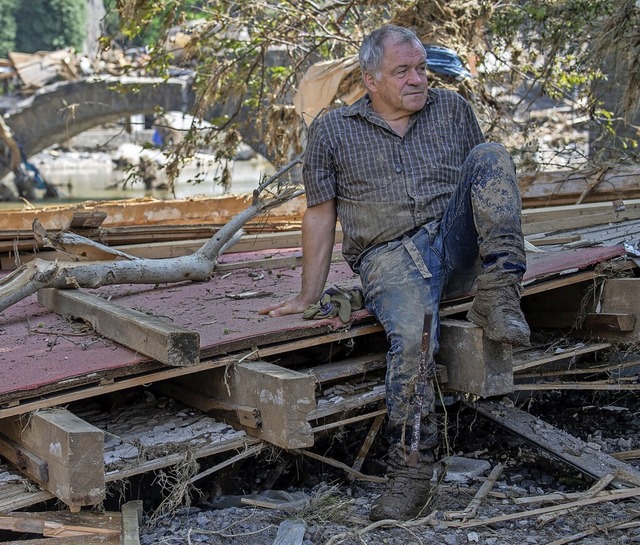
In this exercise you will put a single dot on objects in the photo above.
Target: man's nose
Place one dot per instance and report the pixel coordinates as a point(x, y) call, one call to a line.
point(414, 77)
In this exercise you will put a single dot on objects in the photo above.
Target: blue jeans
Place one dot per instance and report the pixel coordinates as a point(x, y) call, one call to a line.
point(478, 239)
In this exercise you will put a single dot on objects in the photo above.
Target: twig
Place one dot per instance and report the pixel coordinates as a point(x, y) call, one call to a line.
point(386, 523)
point(599, 486)
point(345, 467)
point(244, 454)
point(616, 495)
point(472, 509)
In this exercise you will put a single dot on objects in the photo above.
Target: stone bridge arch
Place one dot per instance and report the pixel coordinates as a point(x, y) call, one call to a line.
point(62, 110)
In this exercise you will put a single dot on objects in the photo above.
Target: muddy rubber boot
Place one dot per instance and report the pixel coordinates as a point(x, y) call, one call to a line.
point(405, 495)
point(498, 312)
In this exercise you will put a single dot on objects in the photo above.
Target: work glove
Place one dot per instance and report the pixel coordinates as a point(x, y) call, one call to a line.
point(335, 302)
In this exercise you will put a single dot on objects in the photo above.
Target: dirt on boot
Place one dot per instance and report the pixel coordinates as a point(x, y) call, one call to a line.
point(405, 495)
point(498, 312)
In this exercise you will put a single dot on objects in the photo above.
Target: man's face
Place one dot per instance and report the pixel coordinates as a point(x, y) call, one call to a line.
point(401, 86)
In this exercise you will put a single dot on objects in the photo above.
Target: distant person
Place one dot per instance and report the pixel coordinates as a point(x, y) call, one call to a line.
point(148, 172)
point(426, 206)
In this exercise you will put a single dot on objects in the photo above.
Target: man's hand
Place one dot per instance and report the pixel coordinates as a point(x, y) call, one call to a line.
point(296, 305)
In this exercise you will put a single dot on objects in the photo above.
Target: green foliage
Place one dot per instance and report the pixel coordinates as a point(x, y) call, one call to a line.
point(249, 52)
point(255, 53)
point(573, 51)
point(7, 27)
point(47, 25)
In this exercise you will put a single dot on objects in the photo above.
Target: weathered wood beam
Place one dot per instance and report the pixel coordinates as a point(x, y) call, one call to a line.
point(620, 296)
point(557, 442)
point(229, 411)
point(72, 449)
point(631, 212)
point(612, 321)
point(348, 368)
point(282, 396)
point(152, 336)
point(62, 524)
point(27, 462)
point(573, 187)
point(474, 363)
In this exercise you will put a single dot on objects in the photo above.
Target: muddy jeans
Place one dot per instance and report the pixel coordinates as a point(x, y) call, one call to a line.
point(478, 239)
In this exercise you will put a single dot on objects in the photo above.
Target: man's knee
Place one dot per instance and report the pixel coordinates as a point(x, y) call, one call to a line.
point(489, 151)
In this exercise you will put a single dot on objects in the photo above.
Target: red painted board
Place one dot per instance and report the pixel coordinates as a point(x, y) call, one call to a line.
point(39, 348)
point(567, 261)
point(40, 351)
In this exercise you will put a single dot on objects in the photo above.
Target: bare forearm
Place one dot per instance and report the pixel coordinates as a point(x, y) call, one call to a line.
point(318, 237)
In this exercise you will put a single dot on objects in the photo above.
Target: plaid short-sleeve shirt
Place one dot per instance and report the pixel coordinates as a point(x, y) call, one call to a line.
point(386, 185)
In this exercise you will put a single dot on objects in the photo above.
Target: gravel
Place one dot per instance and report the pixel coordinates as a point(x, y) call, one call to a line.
point(336, 510)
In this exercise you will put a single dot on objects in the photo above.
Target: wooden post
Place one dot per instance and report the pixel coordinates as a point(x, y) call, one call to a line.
point(619, 299)
point(282, 397)
point(474, 363)
point(72, 449)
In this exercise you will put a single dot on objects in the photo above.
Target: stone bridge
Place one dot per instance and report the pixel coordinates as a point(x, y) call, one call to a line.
point(62, 110)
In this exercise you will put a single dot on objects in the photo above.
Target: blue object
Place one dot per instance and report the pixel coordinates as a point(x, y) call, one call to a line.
point(40, 183)
point(443, 60)
point(156, 139)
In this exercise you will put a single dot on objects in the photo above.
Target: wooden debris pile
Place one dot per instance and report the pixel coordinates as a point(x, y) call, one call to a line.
point(285, 393)
point(35, 70)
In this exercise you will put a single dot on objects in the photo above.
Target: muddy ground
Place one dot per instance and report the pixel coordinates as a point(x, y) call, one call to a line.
point(330, 509)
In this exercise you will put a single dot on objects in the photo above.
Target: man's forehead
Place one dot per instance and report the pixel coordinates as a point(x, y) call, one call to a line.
point(396, 48)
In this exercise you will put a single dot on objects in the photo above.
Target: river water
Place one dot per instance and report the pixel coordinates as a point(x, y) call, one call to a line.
point(114, 174)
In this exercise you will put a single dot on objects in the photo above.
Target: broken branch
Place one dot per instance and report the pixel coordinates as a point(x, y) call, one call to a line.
point(198, 267)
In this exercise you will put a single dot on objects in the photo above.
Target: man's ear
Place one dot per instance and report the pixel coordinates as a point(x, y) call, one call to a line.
point(369, 81)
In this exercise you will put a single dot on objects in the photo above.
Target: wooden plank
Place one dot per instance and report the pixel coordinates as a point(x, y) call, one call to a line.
point(551, 240)
point(347, 403)
point(348, 368)
point(87, 220)
point(475, 364)
point(557, 442)
point(60, 524)
point(526, 359)
point(566, 187)
point(620, 296)
point(282, 396)
point(146, 211)
point(631, 213)
point(131, 520)
point(27, 462)
point(154, 337)
point(72, 449)
point(157, 375)
point(551, 213)
point(75, 540)
point(613, 321)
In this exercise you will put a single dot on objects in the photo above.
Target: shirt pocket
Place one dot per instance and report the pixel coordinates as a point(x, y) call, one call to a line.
point(366, 170)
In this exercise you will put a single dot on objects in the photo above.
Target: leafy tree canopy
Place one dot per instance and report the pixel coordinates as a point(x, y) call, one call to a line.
point(521, 52)
point(47, 25)
point(7, 26)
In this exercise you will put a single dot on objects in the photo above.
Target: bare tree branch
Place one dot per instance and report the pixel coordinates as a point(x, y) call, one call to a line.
point(198, 267)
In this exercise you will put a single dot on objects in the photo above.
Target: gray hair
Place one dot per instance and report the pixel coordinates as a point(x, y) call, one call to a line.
point(372, 48)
